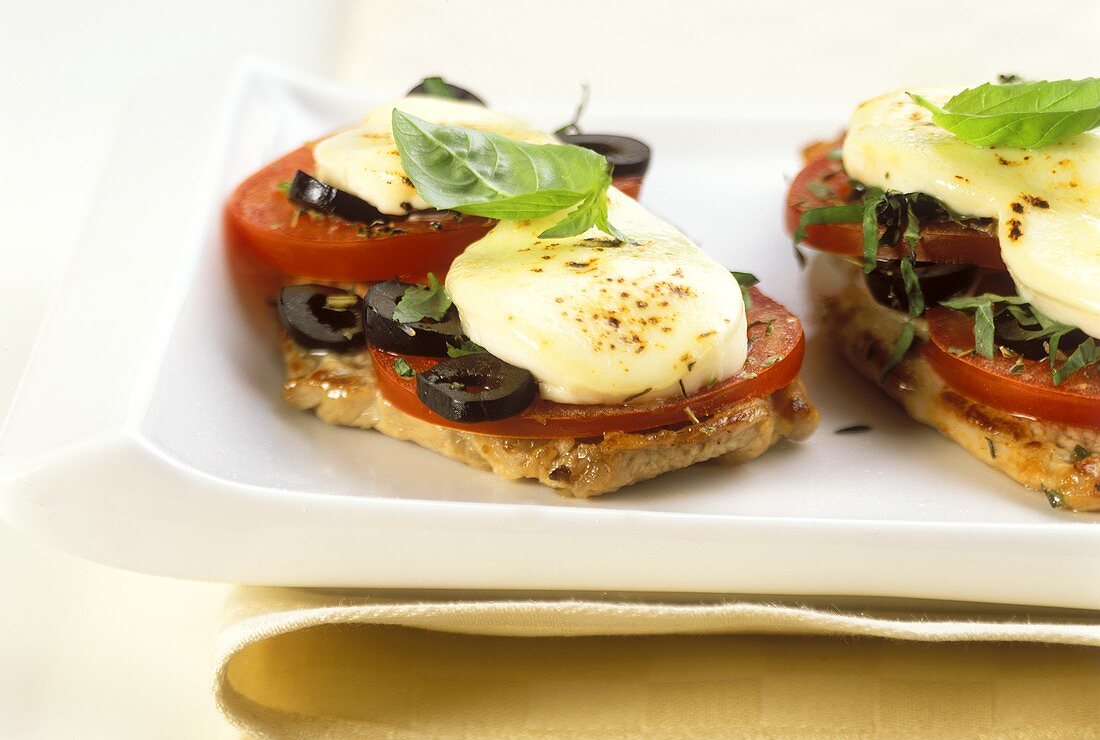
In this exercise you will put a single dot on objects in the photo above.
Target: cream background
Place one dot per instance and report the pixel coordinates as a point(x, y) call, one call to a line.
point(92, 652)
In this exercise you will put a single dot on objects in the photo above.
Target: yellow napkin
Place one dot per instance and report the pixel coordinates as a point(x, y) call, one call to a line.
point(311, 663)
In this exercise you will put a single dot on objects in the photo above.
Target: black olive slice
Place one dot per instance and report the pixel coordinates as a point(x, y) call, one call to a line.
point(428, 338)
point(322, 317)
point(476, 388)
point(440, 88)
point(1008, 333)
point(937, 283)
point(629, 157)
point(310, 192)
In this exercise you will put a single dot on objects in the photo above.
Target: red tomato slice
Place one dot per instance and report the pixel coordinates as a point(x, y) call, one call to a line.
point(260, 217)
point(776, 348)
point(940, 241)
point(1030, 393)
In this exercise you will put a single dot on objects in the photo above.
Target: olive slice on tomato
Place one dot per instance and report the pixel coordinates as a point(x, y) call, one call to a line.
point(322, 317)
point(440, 88)
point(428, 338)
point(476, 388)
point(1008, 333)
point(628, 156)
point(308, 191)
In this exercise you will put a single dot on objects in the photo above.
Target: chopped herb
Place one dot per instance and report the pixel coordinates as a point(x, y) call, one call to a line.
point(1079, 453)
point(771, 360)
point(437, 88)
point(1054, 496)
point(402, 368)
point(835, 154)
point(1031, 324)
point(853, 429)
point(746, 280)
point(992, 449)
point(848, 213)
point(419, 302)
point(639, 394)
point(691, 415)
point(283, 187)
point(467, 348)
point(901, 346)
point(573, 127)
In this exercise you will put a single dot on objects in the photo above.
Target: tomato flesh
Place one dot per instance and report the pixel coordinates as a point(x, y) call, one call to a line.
point(1029, 391)
point(776, 349)
point(823, 182)
point(305, 244)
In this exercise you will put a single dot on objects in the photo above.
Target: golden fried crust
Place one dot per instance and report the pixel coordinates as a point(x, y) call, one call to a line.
point(341, 389)
point(1040, 455)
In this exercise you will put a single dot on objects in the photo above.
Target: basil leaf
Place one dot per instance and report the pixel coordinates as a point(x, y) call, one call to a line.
point(846, 214)
point(467, 348)
point(573, 127)
point(419, 302)
point(871, 201)
point(913, 293)
point(983, 330)
point(912, 228)
point(486, 174)
point(437, 88)
point(901, 346)
point(591, 212)
point(402, 368)
point(1086, 354)
point(1025, 115)
point(745, 280)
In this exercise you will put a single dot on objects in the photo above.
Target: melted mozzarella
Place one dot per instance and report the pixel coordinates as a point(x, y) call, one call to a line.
point(365, 162)
point(598, 323)
point(1046, 202)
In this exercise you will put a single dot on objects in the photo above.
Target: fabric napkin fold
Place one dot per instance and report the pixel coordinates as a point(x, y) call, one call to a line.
point(329, 663)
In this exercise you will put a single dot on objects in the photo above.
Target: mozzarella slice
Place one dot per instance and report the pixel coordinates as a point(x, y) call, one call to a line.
point(598, 323)
point(365, 162)
point(1046, 202)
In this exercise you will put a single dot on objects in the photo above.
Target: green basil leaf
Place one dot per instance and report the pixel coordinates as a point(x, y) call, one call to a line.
point(419, 302)
point(402, 368)
point(847, 214)
point(467, 348)
point(1026, 115)
point(1086, 354)
point(871, 201)
point(573, 127)
point(901, 346)
point(745, 280)
point(437, 88)
point(913, 293)
point(912, 228)
point(591, 212)
point(983, 330)
point(486, 174)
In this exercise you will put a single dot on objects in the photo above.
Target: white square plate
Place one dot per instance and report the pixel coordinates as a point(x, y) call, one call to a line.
point(149, 432)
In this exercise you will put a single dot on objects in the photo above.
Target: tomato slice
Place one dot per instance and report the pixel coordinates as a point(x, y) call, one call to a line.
point(823, 182)
point(1030, 392)
point(776, 348)
point(260, 217)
